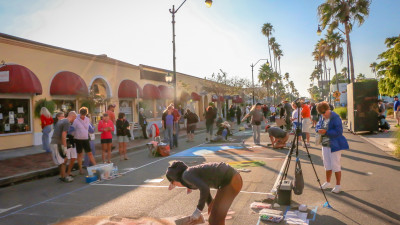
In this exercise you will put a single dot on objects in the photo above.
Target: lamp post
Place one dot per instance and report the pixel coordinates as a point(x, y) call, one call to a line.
point(329, 83)
point(173, 11)
point(252, 73)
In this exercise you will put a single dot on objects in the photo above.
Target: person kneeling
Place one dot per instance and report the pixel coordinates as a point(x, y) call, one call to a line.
point(221, 176)
point(278, 136)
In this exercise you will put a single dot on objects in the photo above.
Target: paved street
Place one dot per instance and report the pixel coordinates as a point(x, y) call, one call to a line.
point(369, 180)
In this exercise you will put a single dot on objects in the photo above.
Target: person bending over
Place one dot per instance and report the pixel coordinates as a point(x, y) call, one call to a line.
point(278, 136)
point(220, 176)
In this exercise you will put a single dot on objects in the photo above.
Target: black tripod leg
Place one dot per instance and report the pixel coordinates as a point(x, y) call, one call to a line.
point(316, 175)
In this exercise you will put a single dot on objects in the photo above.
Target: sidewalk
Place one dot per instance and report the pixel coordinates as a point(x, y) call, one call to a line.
point(17, 165)
point(384, 141)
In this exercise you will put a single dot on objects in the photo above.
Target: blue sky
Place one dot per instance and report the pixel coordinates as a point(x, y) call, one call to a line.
point(226, 36)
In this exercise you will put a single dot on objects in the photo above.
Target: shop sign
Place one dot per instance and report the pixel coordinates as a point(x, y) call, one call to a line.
point(4, 76)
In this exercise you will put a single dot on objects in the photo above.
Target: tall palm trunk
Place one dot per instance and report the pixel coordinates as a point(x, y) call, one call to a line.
point(337, 78)
point(347, 27)
point(269, 50)
point(325, 74)
point(279, 66)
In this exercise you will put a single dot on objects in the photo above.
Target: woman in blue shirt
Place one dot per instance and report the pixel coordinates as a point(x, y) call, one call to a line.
point(169, 126)
point(333, 141)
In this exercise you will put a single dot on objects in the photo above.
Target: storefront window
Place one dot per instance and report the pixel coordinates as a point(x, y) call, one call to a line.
point(160, 107)
point(125, 106)
point(65, 106)
point(147, 105)
point(15, 116)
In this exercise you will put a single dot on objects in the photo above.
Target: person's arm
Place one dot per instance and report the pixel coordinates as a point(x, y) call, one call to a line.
point(201, 185)
point(272, 140)
point(64, 138)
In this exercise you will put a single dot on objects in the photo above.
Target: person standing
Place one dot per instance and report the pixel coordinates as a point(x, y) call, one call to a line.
point(282, 114)
point(168, 123)
point(220, 176)
point(314, 114)
point(238, 114)
point(333, 141)
point(106, 127)
point(177, 118)
point(58, 144)
point(143, 122)
point(111, 115)
point(306, 123)
point(81, 125)
point(231, 113)
point(288, 114)
point(210, 117)
point(265, 110)
point(272, 109)
point(381, 107)
point(122, 133)
point(396, 110)
point(92, 137)
point(46, 122)
point(257, 117)
point(191, 120)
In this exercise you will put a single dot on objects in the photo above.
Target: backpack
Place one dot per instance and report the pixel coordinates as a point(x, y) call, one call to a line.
point(195, 118)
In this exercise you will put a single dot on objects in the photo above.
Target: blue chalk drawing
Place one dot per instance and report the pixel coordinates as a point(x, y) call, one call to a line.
point(204, 150)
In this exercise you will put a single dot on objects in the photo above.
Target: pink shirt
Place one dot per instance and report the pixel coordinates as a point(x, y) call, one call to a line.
point(106, 134)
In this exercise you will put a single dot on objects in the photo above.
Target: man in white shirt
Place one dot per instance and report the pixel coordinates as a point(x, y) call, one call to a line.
point(272, 109)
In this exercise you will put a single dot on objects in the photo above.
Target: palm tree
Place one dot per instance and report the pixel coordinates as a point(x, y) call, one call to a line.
point(321, 48)
point(272, 42)
point(275, 49)
point(279, 54)
point(335, 49)
point(345, 12)
point(373, 68)
point(266, 77)
point(266, 30)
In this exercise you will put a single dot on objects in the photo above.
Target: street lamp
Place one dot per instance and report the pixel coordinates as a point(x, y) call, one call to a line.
point(319, 31)
point(252, 75)
point(173, 11)
point(168, 78)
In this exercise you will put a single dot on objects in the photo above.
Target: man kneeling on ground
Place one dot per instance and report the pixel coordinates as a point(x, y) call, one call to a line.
point(278, 136)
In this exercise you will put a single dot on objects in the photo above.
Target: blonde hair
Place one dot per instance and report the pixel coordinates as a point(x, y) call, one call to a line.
point(45, 112)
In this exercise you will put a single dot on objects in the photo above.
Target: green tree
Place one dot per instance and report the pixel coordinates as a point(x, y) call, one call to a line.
point(314, 93)
point(361, 76)
point(345, 12)
point(266, 77)
point(389, 67)
point(339, 78)
point(267, 30)
point(335, 49)
point(373, 68)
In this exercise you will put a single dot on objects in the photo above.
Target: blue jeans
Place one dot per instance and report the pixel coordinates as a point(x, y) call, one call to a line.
point(87, 161)
point(169, 135)
point(45, 138)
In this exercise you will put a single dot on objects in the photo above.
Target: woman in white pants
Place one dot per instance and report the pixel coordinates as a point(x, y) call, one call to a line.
point(333, 141)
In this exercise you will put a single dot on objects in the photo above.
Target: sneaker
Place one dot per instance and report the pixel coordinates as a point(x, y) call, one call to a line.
point(303, 144)
point(67, 179)
point(308, 144)
point(325, 185)
point(336, 189)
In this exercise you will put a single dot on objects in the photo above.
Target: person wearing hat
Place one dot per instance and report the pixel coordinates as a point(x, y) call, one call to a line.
point(396, 110)
point(277, 136)
point(257, 117)
point(220, 176)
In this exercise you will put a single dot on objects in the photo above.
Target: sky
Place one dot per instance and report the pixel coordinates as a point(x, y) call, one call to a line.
point(226, 36)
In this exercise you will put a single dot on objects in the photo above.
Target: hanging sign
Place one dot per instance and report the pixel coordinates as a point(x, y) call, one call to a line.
point(4, 76)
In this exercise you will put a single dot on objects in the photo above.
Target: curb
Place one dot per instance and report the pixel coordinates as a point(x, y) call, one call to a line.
point(51, 171)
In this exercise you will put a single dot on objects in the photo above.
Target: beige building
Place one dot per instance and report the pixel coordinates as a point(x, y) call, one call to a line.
point(31, 71)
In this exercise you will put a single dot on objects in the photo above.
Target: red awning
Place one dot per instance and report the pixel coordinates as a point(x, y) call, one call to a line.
point(195, 96)
point(185, 96)
point(18, 79)
point(215, 98)
point(68, 83)
point(166, 92)
point(151, 91)
point(237, 99)
point(129, 89)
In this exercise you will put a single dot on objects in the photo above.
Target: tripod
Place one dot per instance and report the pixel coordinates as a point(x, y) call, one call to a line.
point(295, 145)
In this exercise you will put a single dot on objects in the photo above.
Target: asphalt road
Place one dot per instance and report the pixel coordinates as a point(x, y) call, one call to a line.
point(370, 188)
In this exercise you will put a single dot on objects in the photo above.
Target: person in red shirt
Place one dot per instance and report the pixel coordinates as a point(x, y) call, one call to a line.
point(111, 115)
point(306, 124)
point(47, 122)
point(106, 127)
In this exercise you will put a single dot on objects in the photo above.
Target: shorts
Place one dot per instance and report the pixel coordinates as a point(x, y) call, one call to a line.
point(331, 160)
point(121, 139)
point(306, 125)
point(106, 141)
point(191, 128)
point(397, 114)
point(314, 117)
point(55, 155)
point(82, 145)
point(71, 153)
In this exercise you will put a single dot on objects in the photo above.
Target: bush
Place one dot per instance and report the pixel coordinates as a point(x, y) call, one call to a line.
point(50, 105)
point(342, 112)
point(390, 112)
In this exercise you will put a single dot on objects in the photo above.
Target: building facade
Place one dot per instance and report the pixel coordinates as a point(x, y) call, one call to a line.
point(31, 71)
